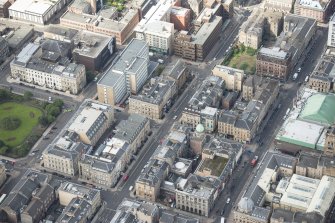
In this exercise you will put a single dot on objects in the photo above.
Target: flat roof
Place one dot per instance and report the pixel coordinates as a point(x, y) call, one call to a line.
point(300, 133)
point(33, 6)
point(206, 30)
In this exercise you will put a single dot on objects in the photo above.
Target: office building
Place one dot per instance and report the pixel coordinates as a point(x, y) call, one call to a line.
point(197, 194)
point(92, 50)
point(251, 31)
point(196, 46)
point(155, 28)
point(154, 99)
point(91, 121)
point(250, 208)
point(278, 61)
point(232, 77)
point(140, 211)
point(284, 6)
point(323, 76)
point(177, 72)
point(242, 125)
point(80, 202)
point(29, 199)
point(133, 131)
point(320, 10)
point(180, 17)
point(4, 5)
point(315, 165)
point(47, 68)
point(202, 107)
point(127, 75)
point(40, 11)
point(107, 21)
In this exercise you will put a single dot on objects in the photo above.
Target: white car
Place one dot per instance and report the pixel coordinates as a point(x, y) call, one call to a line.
point(299, 69)
point(175, 117)
point(228, 200)
point(131, 188)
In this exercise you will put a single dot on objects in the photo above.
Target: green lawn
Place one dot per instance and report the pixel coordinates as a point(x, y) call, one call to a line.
point(243, 58)
point(29, 119)
point(216, 165)
point(244, 62)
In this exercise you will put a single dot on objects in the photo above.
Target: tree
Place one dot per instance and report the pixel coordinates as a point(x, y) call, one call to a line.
point(4, 94)
point(242, 47)
point(10, 123)
point(43, 120)
point(27, 95)
point(50, 119)
point(4, 150)
point(58, 103)
point(53, 110)
point(1, 143)
point(244, 66)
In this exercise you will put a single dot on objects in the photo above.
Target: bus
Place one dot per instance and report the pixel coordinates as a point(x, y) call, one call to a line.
point(2, 198)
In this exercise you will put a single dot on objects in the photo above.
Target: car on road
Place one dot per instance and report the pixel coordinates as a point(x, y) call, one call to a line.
point(299, 69)
point(50, 99)
point(95, 79)
point(45, 138)
point(125, 177)
point(228, 200)
point(175, 117)
point(131, 188)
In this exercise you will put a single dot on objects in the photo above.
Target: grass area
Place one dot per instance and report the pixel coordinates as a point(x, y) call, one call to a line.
point(243, 58)
point(29, 117)
point(216, 165)
point(119, 4)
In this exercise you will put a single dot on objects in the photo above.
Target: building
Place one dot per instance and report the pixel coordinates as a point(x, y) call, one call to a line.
point(306, 126)
point(323, 76)
point(4, 49)
point(219, 157)
point(273, 23)
point(105, 168)
point(197, 194)
point(148, 184)
point(39, 12)
point(92, 50)
point(202, 107)
point(232, 77)
point(251, 31)
point(243, 125)
point(250, 86)
point(331, 32)
point(315, 9)
point(87, 125)
point(196, 46)
point(107, 21)
point(178, 73)
point(154, 99)
point(250, 208)
point(133, 131)
point(81, 203)
point(29, 199)
point(127, 75)
point(195, 5)
point(50, 69)
point(180, 17)
point(130, 210)
point(4, 5)
point(59, 33)
point(329, 148)
point(169, 216)
point(278, 61)
point(16, 35)
point(315, 165)
point(285, 6)
point(91, 121)
point(155, 28)
point(281, 215)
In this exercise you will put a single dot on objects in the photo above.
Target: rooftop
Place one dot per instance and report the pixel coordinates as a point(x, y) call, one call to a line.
point(215, 165)
point(206, 29)
point(127, 130)
point(33, 6)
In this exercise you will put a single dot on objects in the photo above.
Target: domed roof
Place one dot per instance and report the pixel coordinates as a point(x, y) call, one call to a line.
point(245, 205)
point(200, 128)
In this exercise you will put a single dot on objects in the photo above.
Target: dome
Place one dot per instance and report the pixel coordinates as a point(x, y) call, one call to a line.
point(179, 165)
point(200, 128)
point(245, 205)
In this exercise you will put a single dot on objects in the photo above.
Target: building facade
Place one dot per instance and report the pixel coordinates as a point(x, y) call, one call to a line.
point(127, 75)
point(38, 12)
point(4, 5)
point(318, 10)
point(232, 77)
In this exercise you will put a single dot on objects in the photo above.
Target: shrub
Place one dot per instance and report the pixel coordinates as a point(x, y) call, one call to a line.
point(10, 123)
point(244, 66)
